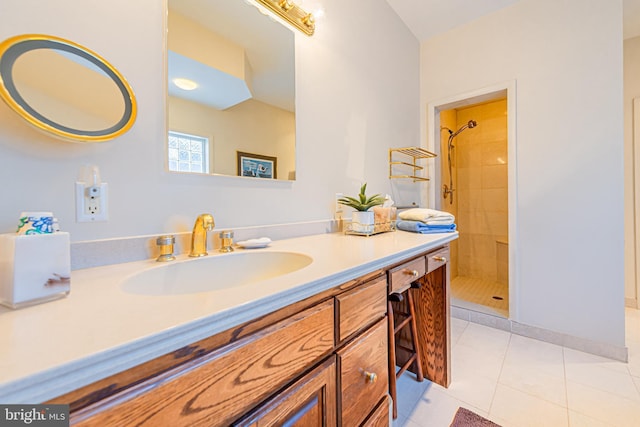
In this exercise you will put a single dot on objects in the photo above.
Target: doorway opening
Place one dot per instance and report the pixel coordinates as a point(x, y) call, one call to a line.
point(473, 181)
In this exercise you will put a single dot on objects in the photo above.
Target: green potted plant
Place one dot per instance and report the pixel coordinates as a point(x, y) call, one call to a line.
point(362, 219)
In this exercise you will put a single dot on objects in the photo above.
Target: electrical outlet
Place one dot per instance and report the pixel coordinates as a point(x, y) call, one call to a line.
point(91, 202)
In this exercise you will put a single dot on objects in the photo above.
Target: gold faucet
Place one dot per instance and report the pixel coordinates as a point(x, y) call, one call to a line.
point(204, 223)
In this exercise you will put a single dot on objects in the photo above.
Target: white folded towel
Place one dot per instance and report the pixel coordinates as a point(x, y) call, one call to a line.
point(428, 216)
point(444, 221)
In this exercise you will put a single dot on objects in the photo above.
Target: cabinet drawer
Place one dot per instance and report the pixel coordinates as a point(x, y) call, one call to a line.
point(380, 417)
point(219, 387)
point(360, 307)
point(437, 259)
point(359, 361)
point(403, 275)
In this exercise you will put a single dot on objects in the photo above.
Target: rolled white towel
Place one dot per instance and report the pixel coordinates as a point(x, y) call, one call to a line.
point(428, 216)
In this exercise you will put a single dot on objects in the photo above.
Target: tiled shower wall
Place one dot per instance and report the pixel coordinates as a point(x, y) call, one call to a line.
point(448, 119)
point(480, 179)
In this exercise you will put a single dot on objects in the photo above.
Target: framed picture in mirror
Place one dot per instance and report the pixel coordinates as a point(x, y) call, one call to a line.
point(257, 165)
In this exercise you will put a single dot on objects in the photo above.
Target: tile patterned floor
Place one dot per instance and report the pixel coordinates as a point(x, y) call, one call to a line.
point(477, 294)
point(517, 381)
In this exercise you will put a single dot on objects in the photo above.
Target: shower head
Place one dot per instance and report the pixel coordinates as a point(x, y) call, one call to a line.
point(470, 124)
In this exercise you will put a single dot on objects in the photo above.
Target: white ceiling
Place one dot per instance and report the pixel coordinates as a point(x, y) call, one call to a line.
point(426, 18)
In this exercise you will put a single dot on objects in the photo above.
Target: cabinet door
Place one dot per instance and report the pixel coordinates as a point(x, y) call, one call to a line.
point(309, 402)
point(434, 329)
point(363, 373)
point(218, 388)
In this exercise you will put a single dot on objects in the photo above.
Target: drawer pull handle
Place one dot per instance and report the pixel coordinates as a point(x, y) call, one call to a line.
point(440, 258)
point(370, 377)
point(413, 273)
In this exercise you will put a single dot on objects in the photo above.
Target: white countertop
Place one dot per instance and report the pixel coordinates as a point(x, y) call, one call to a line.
point(99, 329)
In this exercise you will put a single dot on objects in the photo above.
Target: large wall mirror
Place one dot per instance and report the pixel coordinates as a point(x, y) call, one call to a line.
point(231, 90)
point(64, 88)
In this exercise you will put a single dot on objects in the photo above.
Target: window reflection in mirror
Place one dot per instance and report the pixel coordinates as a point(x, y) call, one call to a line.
point(188, 153)
point(238, 92)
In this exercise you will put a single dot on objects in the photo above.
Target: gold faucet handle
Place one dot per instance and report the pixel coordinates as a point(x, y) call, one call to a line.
point(226, 237)
point(165, 243)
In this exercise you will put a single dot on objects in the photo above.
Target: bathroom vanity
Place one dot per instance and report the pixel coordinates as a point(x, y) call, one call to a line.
point(310, 345)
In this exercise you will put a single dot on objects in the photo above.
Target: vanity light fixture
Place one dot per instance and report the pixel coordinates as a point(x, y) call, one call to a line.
point(292, 13)
point(185, 84)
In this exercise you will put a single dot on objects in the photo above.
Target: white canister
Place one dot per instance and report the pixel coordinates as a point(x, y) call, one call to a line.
point(362, 221)
point(34, 268)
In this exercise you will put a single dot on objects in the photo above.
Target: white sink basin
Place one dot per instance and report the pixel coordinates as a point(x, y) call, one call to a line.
point(214, 272)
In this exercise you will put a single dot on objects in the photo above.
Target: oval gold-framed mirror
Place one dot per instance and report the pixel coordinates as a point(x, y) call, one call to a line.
point(65, 88)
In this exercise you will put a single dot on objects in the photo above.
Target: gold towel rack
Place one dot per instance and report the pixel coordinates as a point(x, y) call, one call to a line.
point(415, 153)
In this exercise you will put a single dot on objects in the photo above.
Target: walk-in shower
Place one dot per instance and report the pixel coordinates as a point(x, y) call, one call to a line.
point(447, 191)
point(474, 167)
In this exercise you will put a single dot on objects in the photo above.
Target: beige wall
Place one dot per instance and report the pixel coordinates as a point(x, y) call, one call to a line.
point(348, 114)
point(568, 152)
point(631, 177)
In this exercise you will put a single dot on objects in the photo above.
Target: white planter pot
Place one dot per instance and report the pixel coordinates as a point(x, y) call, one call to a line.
point(362, 222)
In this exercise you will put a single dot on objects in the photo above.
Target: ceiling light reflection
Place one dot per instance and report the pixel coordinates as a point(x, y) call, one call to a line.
point(185, 84)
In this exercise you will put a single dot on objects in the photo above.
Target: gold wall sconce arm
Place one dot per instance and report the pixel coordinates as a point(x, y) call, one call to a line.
point(292, 13)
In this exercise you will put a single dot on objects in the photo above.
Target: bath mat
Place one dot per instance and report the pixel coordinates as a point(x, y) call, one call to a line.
point(467, 418)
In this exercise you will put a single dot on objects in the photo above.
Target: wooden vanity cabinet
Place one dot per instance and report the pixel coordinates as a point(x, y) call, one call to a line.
point(318, 362)
point(294, 371)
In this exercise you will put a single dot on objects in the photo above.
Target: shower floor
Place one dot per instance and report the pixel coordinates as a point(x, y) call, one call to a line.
point(477, 294)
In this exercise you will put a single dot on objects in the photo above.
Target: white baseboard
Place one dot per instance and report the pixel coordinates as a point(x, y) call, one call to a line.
point(569, 341)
